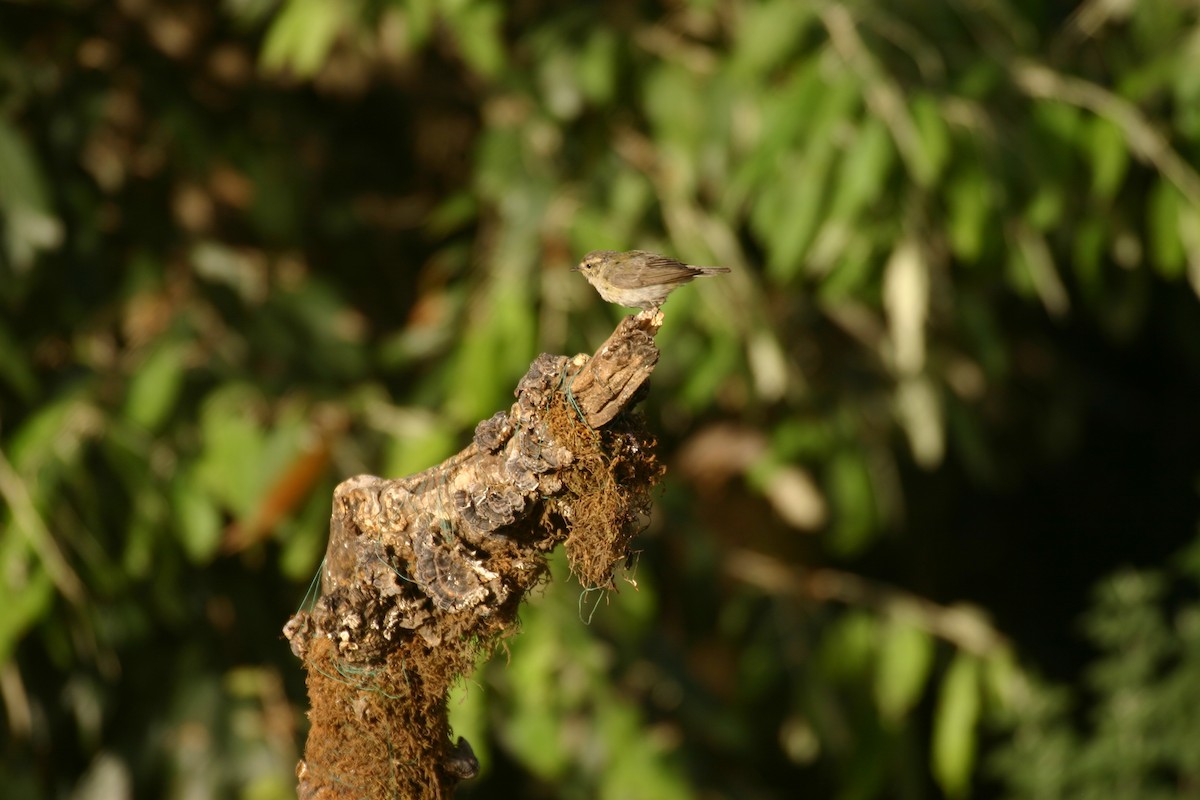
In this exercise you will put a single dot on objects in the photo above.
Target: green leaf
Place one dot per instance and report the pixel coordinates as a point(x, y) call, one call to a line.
point(420, 18)
point(1091, 239)
point(785, 119)
point(855, 274)
point(1002, 679)
point(847, 650)
point(800, 210)
point(766, 34)
point(534, 729)
point(230, 467)
point(598, 67)
point(798, 439)
point(51, 440)
point(415, 452)
point(302, 35)
point(1164, 213)
point(970, 206)
point(155, 386)
point(722, 359)
point(636, 773)
point(1046, 208)
point(853, 502)
point(305, 536)
point(675, 102)
point(1110, 157)
point(784, 178)
point(954, 726)
point(197, 518)
point(476, 29)
point(863, 171)
point(498, 345)
point(905, 659)
point(630, 196)
point(933, 139)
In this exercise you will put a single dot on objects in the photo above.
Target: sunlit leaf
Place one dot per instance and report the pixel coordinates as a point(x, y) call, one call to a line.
point(420, 19)
point(197, 518)
point(598, 67)
point(231, 465)
point(954, 726)
point(1003, 680)
point(302, 35)
point(155, 386)
point(767, 32)
point(905, 660)
point(675, 101)
point(863, 170)
point(1163, 215)
point(801, 208)
point(476, 26)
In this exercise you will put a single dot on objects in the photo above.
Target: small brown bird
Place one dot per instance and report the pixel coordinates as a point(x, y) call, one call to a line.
point(637, 279)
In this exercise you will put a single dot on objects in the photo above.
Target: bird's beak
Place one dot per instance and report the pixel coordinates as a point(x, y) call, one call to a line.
point(576, 268)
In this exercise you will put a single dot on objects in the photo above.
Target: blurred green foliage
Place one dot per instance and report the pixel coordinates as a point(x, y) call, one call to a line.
point(250, 249)
point(1138, 740)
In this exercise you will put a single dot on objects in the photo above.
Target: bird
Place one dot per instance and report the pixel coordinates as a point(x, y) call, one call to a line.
point(637, 278)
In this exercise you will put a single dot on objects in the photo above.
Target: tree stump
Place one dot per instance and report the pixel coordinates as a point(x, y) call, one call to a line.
point(424, 573)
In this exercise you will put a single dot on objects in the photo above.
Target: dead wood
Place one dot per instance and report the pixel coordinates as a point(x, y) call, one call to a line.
point(423, 574)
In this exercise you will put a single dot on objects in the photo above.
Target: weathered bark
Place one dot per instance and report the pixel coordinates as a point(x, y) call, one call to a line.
point(423, 573)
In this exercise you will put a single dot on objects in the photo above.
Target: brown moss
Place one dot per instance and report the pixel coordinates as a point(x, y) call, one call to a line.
point(607, 490)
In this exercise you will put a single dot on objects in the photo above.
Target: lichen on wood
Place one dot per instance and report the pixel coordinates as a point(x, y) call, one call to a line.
point(423, 574)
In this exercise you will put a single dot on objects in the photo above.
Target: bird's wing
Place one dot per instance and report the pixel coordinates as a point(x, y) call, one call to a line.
point(655, 271)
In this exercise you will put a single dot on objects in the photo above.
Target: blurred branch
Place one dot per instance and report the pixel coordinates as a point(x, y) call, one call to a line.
point(964, 627)
point(1144, 140)
point(16, 701)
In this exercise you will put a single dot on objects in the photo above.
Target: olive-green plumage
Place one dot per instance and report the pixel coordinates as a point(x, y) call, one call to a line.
point(636, 278)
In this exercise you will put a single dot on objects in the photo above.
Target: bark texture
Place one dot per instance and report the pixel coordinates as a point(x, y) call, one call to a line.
point(424, 573)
